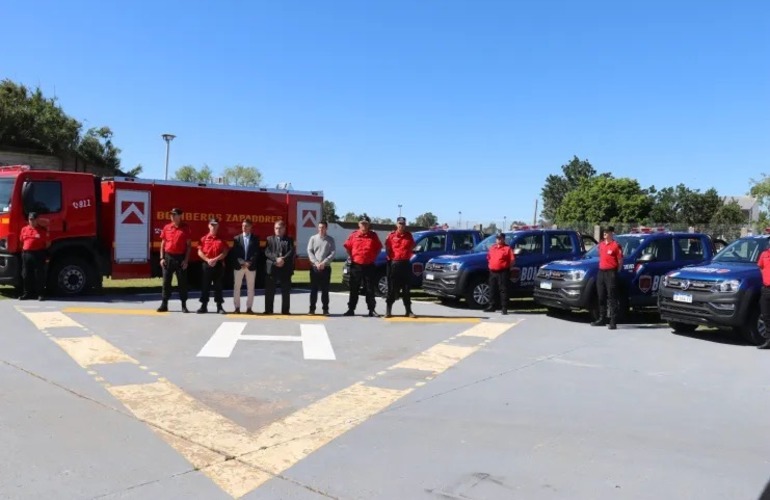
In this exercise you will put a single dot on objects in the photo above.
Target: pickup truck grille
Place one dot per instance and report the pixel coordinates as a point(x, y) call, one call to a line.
point(432, 266)
point(685, 284)
point(550, 274)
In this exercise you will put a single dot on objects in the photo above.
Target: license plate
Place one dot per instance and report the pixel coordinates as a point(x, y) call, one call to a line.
point(683, 297)
point(429, 277)
point(546, 285)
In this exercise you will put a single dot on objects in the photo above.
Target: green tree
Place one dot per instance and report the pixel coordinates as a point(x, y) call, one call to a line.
point(383, 220)
point(135, 172)
point(29, 120)
point(426, 220)
point(557, 186)
point(684, 205)
point(605, 199)
point(491, 228)
point(760, 189)
point(97, 149)
point(729, 214)
point(189, 173)
point(350, 217)
point(240, 175)
point(329, 212)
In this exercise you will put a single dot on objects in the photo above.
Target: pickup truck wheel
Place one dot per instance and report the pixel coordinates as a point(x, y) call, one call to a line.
point(478, 294)
point(382, 285)
point(682, 327)
point(755, 331)
point(70, 277)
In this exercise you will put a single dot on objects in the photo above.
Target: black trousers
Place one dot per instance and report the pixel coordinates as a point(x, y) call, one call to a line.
point(607, 288)
point(212, 275)
point(33, 272)
point(764, 306)
point(498, 288)
point(277, 275)
point(365, 274)
point(174, 267)
point(320, 280)
point(400, 282)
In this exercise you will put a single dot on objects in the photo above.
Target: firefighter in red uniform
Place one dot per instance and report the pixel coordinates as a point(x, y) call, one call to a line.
point(610, 264)
point(212, 250)
point(34, 250)
point(174, 255)
point(362, 246)
point(399, 246)
point(500, 258)
point(764, 299)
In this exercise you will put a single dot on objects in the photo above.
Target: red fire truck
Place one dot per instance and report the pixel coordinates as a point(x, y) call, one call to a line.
point(111, 226)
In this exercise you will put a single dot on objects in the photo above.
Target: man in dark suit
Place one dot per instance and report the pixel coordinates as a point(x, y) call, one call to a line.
point(244, 255)
point(279, 267)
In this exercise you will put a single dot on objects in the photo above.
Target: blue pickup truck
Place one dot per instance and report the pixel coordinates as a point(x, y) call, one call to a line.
point(427, 244)
point(723, 293)
point(465, 276)
point(647, 257)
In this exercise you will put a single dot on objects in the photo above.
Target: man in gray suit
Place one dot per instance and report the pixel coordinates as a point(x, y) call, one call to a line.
point(279, 266)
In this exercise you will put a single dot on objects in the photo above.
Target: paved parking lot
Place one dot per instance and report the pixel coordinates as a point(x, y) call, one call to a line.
point(112, 400)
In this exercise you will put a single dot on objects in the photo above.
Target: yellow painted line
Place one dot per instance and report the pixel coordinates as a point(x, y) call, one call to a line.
point(50, 319)
point(94, 350)
point(433, 319)
point(111, 310)
point(295, 437)
point(438, 358)
point(489, 331)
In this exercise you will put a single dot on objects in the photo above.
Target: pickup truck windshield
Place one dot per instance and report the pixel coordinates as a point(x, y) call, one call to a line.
point(745, 250)
point(6, 190)
point(627, 243)
point(483, 245)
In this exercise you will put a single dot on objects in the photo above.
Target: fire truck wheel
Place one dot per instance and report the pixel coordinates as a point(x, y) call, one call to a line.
point(70, 276)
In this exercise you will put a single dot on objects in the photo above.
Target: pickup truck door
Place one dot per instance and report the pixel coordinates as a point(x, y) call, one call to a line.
point(461, 243)
point(655, 259)
point(561, 245)
point(588, 241)
point(426, 248)
point(689, 250)
point(530, 250)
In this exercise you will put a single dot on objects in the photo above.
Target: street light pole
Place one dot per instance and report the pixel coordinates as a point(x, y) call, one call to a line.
point(460, 219)
point(505, 222)
point(168, 138)
point(399, 210)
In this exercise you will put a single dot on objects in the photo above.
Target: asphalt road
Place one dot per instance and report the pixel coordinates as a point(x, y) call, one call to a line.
point(112, 400)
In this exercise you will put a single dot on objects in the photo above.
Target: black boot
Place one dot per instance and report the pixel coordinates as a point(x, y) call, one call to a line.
point(612, 325)
point(184, 307)
point(163, 307)
point(599, 322)
point(766, 345)
point(490, 308)
point(409, 313)
point(389, 311)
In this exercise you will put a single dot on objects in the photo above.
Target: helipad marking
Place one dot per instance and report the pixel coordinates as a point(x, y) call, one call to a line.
point(50, 319)
point(239, 461)
point(315, 341)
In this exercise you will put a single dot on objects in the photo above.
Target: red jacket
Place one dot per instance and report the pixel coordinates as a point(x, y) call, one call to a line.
point(399, 246)
point(363, 248)
point(34, 238)
point(500, 257)
point(764, 266)
point(610, 255)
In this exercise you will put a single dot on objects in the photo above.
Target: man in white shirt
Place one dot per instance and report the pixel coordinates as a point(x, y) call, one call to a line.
point(245, 253)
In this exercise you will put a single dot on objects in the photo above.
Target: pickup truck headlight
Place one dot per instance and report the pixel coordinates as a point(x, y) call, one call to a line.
point(575, 275)
point(454, 267)
point(728, 286)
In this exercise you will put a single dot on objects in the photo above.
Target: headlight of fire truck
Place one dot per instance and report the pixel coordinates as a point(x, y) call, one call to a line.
point(728, 286)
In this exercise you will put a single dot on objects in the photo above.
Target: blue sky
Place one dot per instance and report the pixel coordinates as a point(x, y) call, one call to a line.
point(438, 105)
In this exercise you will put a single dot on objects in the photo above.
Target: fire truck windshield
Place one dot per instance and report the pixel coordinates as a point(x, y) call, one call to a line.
point(6, 191)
